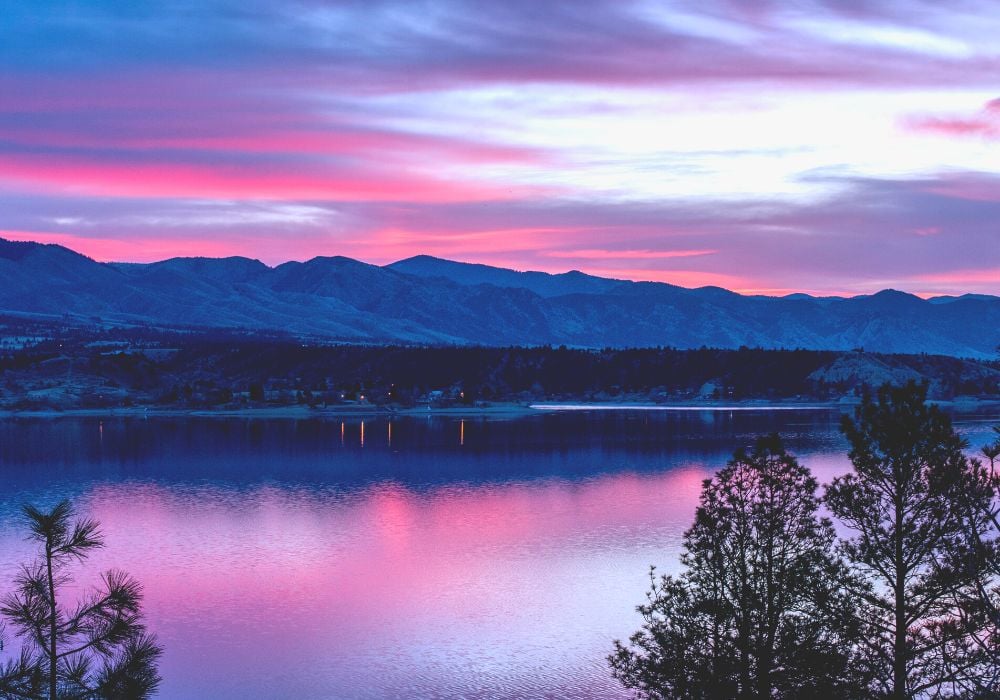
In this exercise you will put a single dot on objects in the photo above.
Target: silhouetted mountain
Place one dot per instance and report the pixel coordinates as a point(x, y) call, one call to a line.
point(429, 300)
point(541, 283)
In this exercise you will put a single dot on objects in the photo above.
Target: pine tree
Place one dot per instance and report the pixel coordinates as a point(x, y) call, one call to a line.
point(905, 502)
point(759, 611)
point(977, 606)
point(98, 648)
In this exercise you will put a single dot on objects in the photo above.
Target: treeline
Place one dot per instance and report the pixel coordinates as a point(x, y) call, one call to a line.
point(147, 367)
point(772, 603)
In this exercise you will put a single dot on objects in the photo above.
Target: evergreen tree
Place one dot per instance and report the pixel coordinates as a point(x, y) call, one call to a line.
point(760, 611)
point(905, 502)
point(978, 606)
point(96, 649)
point(991, 451)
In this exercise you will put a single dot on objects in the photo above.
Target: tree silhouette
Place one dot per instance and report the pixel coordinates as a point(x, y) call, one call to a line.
point(99, 647)
point(905, 502)
point(991, 451)
point(760, 611)
point(978, 554)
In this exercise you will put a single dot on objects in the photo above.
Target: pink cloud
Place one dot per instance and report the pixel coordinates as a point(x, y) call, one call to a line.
point(279, 181)
point(983, 124)
point(191, 134)
point(964, 277)
point(258, 139)
point(645, 254)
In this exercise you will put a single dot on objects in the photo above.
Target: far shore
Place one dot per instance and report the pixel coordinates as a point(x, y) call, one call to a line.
point(508, 409)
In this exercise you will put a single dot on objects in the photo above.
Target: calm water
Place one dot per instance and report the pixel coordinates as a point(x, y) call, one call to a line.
point(433, 558)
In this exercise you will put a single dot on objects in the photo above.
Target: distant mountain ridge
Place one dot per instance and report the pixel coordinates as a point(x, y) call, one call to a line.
point(541, 283)
point(430, 300)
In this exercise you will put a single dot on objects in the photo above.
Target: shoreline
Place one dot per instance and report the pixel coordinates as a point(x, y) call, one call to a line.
point(499, 409)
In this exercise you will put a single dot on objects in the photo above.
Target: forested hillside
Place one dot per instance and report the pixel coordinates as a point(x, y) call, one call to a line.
point(45, 367)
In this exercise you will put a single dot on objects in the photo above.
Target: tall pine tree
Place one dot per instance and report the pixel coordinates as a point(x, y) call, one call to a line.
point(904, 503)
point(760, 611)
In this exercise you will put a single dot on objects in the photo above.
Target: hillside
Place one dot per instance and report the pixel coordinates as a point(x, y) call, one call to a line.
point(428, 300)
point(57, 368)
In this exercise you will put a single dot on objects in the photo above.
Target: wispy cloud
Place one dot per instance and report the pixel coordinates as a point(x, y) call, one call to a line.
point(604, 254)
point(984, 123)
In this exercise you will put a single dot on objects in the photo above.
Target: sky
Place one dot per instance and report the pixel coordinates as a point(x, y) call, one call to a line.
point(766, 147)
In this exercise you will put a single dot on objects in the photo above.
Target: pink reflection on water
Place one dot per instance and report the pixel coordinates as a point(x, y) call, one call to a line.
point(390, 591)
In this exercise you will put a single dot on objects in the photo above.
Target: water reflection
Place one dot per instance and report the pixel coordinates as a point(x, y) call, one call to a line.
point(278, 563)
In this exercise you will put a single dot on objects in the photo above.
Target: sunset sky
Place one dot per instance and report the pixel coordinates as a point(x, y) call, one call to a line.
point(772, 147)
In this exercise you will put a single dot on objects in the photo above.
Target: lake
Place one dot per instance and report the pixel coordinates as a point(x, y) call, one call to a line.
point(434, 557)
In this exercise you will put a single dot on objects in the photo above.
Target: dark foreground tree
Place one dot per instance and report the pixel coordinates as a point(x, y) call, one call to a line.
point(760, 611)
point(98, 648)
point(978, 606)
point(905, 502)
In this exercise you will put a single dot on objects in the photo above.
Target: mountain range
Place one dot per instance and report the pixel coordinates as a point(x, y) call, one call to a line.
point(428, 300)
